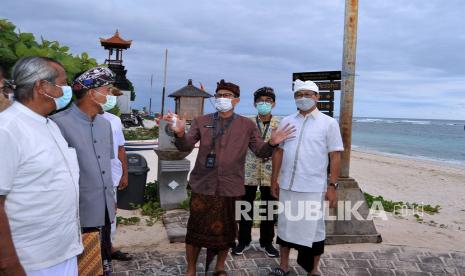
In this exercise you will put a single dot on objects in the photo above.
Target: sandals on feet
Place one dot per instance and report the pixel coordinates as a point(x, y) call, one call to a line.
point(220, 273)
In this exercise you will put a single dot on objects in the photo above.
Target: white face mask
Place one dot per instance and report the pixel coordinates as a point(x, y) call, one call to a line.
point(305, 104)
point(223, 104)
point(11, 97)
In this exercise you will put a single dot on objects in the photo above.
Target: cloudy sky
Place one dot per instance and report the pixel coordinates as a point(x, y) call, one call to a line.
point(410, 54)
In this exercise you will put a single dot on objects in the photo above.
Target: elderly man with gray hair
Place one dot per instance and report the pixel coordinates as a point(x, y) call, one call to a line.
point(39, 192)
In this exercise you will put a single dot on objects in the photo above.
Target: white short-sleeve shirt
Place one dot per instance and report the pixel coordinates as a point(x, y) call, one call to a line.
point(118, 141)
point(305, 157)
point(39, 175)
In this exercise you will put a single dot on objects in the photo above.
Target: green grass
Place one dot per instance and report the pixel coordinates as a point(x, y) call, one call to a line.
point(151, 206)
point(140, 133)
point(127, 221)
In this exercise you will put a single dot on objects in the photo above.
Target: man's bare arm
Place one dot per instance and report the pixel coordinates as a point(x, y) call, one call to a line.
point(123, 183)
point(335, 166)
point(9, 261)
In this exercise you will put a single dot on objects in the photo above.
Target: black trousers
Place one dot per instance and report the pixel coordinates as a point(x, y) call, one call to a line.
point(266, 226)
point(305, 255)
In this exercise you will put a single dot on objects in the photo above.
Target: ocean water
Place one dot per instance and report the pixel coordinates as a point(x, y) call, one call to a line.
point(436, 140)
point(441, 140)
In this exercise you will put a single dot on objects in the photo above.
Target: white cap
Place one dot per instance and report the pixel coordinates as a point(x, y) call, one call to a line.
point(305, 85)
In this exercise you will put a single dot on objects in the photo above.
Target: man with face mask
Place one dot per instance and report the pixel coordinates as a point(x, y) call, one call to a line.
point(258, 174)
point(217, 180)
point(91, 135)
point(119, 169)
point(301, 165)
point(39, 192)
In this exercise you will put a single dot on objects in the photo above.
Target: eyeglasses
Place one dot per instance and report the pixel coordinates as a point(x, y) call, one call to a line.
point(270, 101)
point(225, 95)
point(299, 95)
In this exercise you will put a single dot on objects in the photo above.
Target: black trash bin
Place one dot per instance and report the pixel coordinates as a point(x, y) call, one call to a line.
point(134, 192)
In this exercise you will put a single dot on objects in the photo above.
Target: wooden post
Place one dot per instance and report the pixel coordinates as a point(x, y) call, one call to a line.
point(348, 78)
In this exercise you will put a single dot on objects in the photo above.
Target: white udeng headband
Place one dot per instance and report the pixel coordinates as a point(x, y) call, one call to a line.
point(305, 85)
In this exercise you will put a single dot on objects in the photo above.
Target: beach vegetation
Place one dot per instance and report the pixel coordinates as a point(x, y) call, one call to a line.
point(15, 44)
point(395, 207)
point(140, 133)
point(127, 221)
point(151, 206)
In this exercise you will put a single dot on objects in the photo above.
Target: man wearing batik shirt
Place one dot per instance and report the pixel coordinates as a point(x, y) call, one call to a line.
point(217, 179)
point(258, 175)
point(301, 165)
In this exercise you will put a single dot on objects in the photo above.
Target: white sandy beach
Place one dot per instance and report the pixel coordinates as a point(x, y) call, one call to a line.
point(395, 178)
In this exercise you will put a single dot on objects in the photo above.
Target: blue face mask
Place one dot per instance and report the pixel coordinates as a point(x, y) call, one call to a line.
point(264, 108)
point(63, 101)
point(110, 103)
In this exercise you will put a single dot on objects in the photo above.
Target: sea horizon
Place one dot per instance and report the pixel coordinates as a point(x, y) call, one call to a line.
point(436, 140)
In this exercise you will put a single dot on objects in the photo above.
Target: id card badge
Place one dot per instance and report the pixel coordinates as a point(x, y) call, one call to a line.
point(210, 162)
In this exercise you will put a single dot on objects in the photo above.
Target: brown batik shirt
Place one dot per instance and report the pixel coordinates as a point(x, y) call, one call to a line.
point(227, 176)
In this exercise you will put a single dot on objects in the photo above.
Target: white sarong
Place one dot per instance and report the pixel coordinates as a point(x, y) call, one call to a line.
point(302, 220)
point(66, 268)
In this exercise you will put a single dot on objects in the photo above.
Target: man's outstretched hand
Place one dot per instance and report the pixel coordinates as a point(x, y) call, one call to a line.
point(279, 135)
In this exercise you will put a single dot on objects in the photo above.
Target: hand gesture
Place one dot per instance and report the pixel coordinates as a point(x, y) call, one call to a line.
point(177, 124)
point(279, 135)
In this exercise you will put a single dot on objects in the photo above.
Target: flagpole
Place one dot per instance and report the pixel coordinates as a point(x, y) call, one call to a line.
point(164, 84)
point(151, 90)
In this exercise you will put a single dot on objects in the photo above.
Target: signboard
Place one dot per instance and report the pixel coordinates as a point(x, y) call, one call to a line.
point(328, 86)
point(317, 76)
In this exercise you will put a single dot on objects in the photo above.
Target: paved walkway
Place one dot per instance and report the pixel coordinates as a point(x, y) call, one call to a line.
point(388, 261)
point(393, 261)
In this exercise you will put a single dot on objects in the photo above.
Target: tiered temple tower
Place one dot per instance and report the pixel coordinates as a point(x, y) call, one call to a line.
point(116, 45)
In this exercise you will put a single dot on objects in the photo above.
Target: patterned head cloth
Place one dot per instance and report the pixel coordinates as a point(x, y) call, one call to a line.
point(264, 91)
point(228, 86)
point(94, 78)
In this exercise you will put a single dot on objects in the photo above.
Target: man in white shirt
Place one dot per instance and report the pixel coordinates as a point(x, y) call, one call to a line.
point(39, 193)
point(119, 171)
point(301, 165)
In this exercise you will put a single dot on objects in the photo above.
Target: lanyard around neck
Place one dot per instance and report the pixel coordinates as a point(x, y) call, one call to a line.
point(216, 134)
point(267, 126)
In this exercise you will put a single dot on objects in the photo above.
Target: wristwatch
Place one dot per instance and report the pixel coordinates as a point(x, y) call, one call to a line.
point(334, 184)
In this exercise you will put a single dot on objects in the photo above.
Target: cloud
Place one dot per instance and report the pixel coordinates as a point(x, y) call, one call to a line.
point(409, 53)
